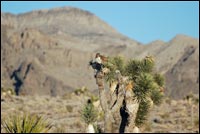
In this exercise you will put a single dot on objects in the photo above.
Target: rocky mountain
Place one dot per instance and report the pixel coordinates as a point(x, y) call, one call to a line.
point(47, 52)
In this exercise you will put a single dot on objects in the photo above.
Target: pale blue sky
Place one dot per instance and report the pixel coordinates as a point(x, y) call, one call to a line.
point(142, 21)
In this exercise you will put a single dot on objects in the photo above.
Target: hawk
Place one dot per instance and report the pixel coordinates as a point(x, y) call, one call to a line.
point(98, 62)
point(100, 58)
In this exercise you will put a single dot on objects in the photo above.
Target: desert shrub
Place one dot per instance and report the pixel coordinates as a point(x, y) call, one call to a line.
point(168, 100)
point(69, 108)
point(80, 90)
point(94, 98)
point(148, 126)
point(89, 113)
point(165, 115)
point(26, 124)
point(78, 124)
point(8, 91)
point(67, 96)
point(196, 101)
point(196, 122)
point(59, 130)
point(101, 115)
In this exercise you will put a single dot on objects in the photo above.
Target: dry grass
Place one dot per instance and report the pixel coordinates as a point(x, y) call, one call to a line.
point(69, 108)
point(64, 114)
point(165, 115)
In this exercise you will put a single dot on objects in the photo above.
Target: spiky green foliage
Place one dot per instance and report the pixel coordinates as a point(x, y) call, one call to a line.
point(114, 63)
point(26, 124)
point(135, 67)
point(156, 97)
point(148, 64)
point(142, 112)
point(89, 114)
point(159, 79)
point(146, 87)
point(144, 84)
point(119, 64)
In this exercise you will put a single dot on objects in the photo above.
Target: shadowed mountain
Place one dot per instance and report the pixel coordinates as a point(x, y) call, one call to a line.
point(49, 52)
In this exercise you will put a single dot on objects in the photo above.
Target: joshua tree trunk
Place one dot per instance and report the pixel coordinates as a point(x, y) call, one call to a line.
point(103, 95)
point(119, 107)
point(131, 108)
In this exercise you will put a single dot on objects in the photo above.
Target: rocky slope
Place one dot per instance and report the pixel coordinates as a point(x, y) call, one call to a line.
point(47, 52)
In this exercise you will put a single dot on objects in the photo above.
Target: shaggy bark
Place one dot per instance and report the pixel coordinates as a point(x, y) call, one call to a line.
point(119, 107)
point(104, 102)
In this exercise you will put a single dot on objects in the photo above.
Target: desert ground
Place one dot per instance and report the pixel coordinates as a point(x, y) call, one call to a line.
point(64, 113)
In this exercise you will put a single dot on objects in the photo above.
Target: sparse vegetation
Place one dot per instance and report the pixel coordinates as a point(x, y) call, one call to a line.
point(148, 126)
point(101, 115)
point(78, 124)
point(196, 101)
point(68, 121)
point(26, 124)
point(80, 90)
point(168, 100)
point(165, 115)
point(59, 130)
point(192, 97)
point(67, 96)
point(196, 122)
point(94, 98)
point(69, 108)
point(7, 91)
point(89, 114)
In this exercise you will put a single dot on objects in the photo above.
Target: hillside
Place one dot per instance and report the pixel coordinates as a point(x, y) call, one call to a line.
point(48, 52)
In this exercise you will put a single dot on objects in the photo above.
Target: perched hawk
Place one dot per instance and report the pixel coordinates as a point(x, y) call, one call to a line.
point(100, 58)
point(97, 63)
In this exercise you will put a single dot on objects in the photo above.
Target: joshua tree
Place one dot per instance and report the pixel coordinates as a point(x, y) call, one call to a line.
point(133, 87)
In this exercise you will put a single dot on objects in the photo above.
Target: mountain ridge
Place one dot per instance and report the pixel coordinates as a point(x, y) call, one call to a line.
point(58, 43)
